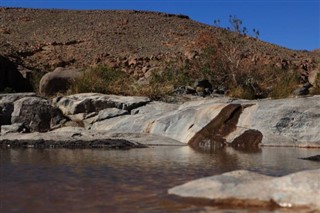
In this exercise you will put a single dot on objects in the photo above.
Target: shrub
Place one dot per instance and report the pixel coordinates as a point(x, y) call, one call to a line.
point(102, 79)
point(316, 86)
point(285, 84)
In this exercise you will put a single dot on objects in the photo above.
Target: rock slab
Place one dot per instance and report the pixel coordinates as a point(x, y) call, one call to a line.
point(301, 189)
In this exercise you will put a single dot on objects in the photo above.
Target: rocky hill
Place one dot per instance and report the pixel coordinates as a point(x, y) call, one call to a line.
point(136, 42)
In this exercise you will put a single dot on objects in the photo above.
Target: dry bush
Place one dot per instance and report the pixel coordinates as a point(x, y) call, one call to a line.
point(103, 80)
point(230, 62)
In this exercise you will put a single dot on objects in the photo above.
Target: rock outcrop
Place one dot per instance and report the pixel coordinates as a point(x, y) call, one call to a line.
point(252, 189)
point(36, 113)
point(203, 124)
point(27, 110)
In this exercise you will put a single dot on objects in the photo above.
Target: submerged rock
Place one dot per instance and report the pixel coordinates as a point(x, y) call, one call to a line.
point(252, 189)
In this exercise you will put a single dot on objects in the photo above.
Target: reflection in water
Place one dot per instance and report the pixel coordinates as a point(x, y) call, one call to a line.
point(85, 180)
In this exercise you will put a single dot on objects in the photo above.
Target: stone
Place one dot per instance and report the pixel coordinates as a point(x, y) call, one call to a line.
point(13, 128)
point(204, 86)
point(304, 90)
point(58, 81)
point(110, 113)
point(10, 77)
point(94, 102)
point(36, 113)
point(247, 188)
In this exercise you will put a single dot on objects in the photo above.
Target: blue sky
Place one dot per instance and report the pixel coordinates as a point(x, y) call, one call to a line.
point(293, 24)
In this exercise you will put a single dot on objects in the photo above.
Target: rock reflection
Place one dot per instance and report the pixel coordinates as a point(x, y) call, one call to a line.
point(86, 180)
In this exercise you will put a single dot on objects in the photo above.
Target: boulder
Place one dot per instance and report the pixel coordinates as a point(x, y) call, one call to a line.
point(247, 188)
point(94, 102)
point(59, 80)
point(10, 77)
point(36, 113)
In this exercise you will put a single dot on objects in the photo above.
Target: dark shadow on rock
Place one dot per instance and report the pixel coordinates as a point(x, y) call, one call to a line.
point(312, 158)
point(11, 78)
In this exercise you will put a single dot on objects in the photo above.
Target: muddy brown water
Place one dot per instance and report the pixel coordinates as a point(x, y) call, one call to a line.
point(136, 180)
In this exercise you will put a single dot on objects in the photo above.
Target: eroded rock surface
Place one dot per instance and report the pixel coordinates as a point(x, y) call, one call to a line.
point(295, 190)
point(202, 123)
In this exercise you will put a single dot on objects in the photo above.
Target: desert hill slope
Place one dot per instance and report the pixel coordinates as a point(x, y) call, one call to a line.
point(136, 42)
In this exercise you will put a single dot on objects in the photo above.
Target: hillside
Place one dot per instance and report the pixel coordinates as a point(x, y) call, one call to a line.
point(136, 42)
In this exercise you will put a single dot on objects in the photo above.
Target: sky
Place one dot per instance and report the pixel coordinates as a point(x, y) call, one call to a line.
point(294, 24)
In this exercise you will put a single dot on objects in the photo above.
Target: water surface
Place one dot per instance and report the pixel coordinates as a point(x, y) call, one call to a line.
point(137, 180)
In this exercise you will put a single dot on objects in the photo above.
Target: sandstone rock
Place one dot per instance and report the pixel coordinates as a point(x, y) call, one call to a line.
point(299, 189)
point(11, 78)
point(94, 102)
point(59, 80)
point(36, 113)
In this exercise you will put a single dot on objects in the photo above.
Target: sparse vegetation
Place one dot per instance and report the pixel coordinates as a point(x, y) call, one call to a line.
point(102, 79)
point(106, 80)
point(316, 86)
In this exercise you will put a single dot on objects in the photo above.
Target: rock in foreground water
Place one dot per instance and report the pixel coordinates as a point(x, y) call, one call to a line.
point(301, 189)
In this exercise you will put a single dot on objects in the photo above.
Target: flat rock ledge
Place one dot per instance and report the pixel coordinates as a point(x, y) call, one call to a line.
point(244, 188)
point(69, 137)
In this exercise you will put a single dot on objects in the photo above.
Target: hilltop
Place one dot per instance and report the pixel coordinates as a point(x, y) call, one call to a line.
point(136, 42)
